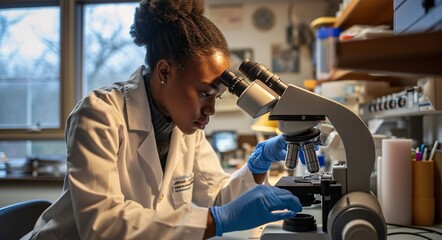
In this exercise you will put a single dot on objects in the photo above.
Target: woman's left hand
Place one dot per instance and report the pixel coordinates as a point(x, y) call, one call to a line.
point(268, 151)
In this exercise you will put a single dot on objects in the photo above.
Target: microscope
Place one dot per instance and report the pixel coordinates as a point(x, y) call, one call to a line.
point(349, 210)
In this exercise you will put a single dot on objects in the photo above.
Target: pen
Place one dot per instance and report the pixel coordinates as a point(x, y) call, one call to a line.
point(433, 151)
point(425, 154)
point(423, 148)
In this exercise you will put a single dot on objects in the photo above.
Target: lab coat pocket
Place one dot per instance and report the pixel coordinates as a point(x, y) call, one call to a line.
point(182, 189)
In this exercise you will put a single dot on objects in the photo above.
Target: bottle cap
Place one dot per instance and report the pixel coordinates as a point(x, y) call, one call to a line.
point(326, 32)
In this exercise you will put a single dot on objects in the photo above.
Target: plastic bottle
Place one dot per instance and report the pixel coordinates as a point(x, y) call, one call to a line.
point(326, 39)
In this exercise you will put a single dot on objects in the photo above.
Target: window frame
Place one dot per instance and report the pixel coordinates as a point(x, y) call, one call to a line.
point(71, 48)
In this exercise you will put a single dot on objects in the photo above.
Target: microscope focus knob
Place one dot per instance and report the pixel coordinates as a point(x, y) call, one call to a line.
point(359, 229)
point(356, 215)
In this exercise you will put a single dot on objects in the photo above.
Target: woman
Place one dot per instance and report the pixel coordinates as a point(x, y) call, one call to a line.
point(139, 164)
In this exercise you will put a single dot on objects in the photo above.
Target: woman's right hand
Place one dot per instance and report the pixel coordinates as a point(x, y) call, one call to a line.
point(255, 207)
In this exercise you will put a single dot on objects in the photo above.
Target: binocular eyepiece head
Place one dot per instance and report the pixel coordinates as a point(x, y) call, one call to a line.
point(252, 71)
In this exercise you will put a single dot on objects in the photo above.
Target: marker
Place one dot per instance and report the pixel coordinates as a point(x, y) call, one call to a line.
point(418, 156)
point(433, 151)
point(423, 148)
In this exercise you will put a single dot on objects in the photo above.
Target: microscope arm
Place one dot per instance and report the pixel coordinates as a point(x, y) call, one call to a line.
point(296, 102)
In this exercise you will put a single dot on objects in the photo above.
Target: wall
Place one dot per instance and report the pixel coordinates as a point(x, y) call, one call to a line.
point(13, 191)
point(432, 129)
point(247, 36)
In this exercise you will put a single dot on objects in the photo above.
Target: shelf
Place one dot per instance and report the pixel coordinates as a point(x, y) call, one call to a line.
point(398, 114)
point(415, 54)
point(341, 74)
point(366, 12)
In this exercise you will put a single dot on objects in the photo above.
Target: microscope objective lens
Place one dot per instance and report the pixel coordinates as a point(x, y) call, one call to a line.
point(310, 157)
point(291, 158)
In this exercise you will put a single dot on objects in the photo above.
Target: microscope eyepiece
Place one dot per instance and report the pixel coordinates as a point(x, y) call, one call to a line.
point(235, 83)
point(253, 70)
point(254, 98)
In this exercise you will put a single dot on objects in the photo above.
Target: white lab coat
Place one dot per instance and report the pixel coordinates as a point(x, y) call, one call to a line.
point(115, 187)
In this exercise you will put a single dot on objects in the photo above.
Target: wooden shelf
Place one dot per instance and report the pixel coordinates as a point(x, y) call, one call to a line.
point(395, 58)
point(341, 74)
point(417, 54)
point(366, 12)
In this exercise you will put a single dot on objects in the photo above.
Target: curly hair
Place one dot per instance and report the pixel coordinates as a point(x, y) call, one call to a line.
point(175, 29)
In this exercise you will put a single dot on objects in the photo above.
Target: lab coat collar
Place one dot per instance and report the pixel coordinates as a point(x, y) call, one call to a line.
point(174, 156)
point(176, 153)
point(149, 153)
point(138, 109)
point(139, 119)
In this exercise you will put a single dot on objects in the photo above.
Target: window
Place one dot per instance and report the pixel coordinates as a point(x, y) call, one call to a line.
point(109, 53)
point(26, 148)
point(29, 68)
point(52, 52)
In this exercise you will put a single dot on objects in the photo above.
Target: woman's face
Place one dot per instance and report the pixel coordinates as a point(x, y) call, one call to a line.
point(188, 96)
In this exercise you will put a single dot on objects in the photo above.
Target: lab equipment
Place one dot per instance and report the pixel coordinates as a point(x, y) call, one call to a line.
point(412, 101)
point(225, 144)
point(255, 205)
point(224, 141)
point(349, 209)
point(266, 152)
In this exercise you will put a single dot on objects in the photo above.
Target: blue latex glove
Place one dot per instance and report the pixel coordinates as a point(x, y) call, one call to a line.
point(268, 151)
point(254, 208)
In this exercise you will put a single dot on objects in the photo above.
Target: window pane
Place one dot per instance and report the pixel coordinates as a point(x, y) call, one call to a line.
point(109, 52)
point(29, 67)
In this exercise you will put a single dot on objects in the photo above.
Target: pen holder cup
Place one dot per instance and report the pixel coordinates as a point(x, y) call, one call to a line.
point(423, 208)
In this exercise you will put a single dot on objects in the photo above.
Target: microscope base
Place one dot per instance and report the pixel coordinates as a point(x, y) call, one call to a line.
point(275, 232)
